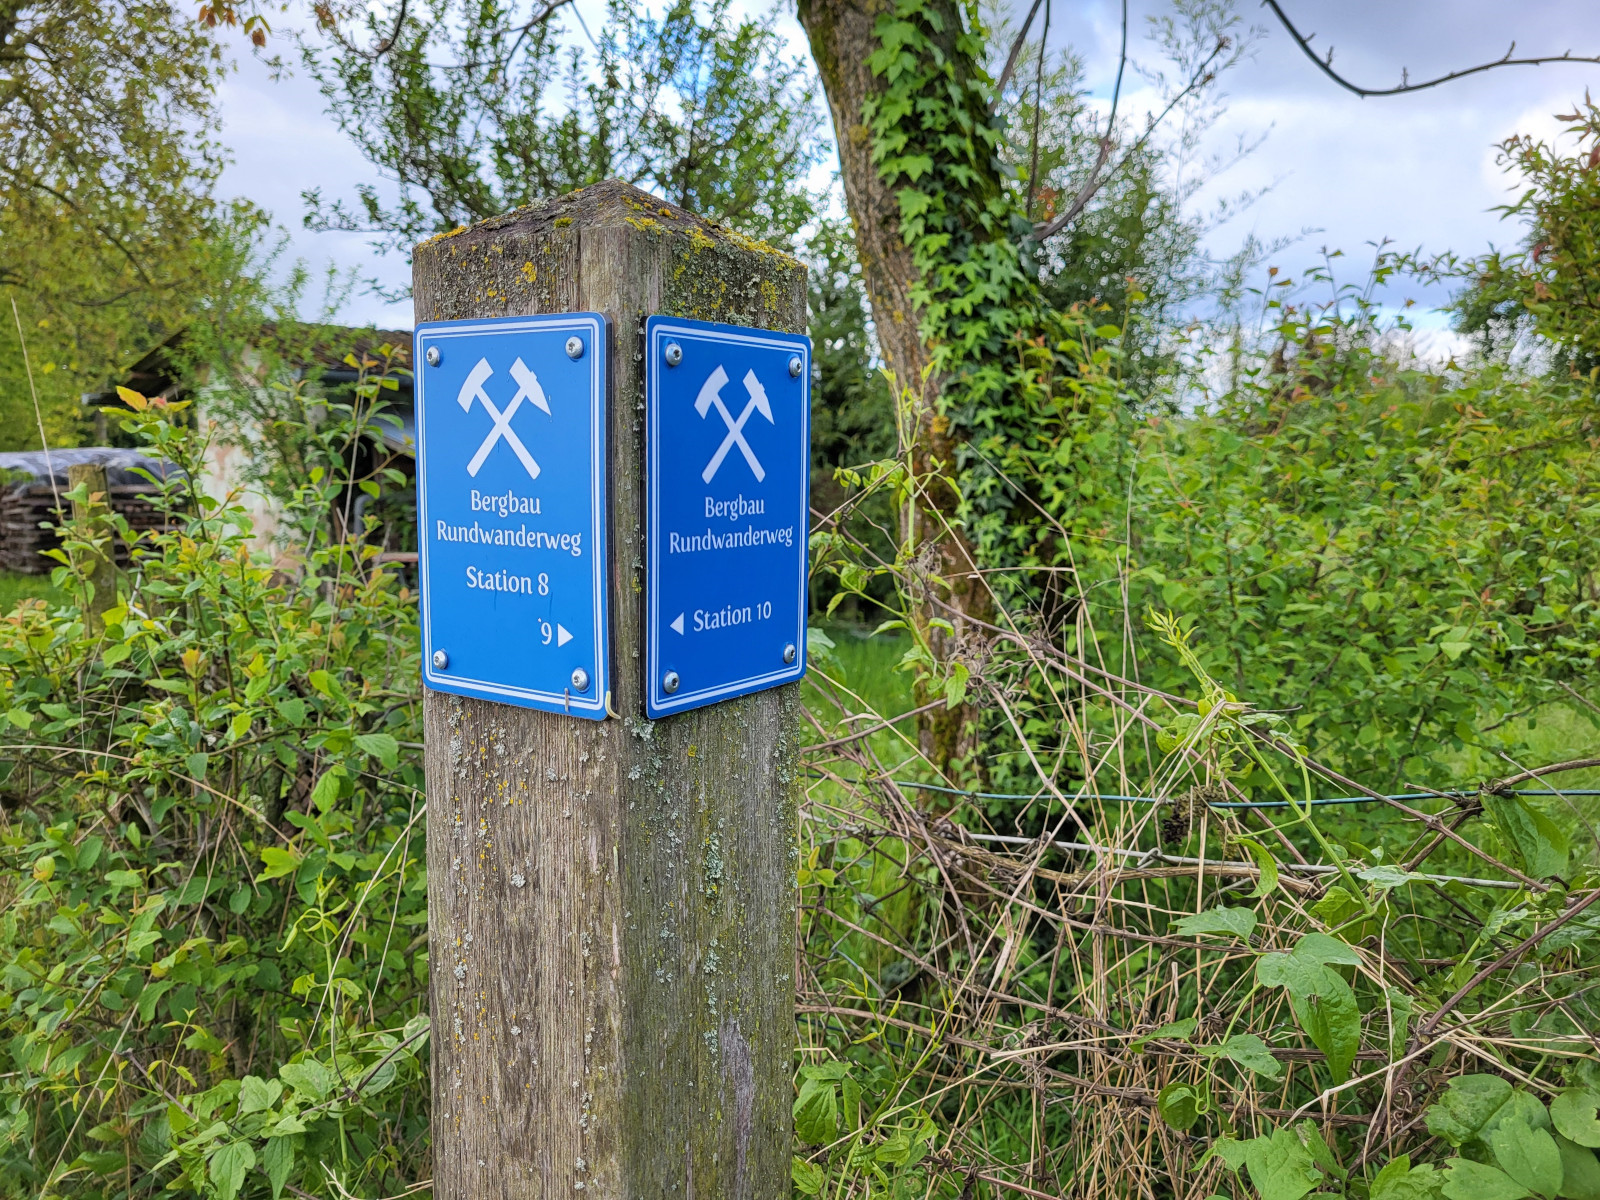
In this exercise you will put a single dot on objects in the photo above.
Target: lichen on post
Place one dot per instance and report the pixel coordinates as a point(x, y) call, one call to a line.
point(611, 904)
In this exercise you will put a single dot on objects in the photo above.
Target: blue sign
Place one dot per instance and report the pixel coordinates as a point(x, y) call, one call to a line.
point(511, 510)
point(728, 439)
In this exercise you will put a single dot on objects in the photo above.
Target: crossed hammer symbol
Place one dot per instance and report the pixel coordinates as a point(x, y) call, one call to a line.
point(711, 397)
point(527, 389)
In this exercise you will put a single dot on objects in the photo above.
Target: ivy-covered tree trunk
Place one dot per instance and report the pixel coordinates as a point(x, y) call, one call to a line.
point(939, 237)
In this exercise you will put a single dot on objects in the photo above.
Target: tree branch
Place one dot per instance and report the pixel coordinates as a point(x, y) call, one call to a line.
point(1095, 182)
point(1325, 65)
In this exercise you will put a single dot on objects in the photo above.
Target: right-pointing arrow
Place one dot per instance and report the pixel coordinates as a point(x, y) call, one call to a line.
point(562, 636)
point(677, 625)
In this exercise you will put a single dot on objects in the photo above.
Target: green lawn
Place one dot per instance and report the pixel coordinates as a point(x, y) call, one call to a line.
point(14, 587)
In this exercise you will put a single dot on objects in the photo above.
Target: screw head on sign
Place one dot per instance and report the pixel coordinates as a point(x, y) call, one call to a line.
point(669, 682)
point(795, 367)
point(575, 350)
point(441, 660)
point(789, 653)
point(674, 354)
point(432, 356)
point(580, 680)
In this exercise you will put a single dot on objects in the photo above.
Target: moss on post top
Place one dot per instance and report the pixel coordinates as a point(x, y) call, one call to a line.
point(716, 273)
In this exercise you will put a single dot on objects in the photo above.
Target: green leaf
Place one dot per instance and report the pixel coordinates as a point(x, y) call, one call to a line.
point(1580, 1172)
point(1321, 949)
point(1337, 906)
point(1250, 1051)
point(1466, 1107)
point(1280, 1167)
point(1399, 1180)
point(278, 1158)
point(257, 1094)
point(1331, 1020)
point(278, 862)
point(1173, 1029)
point(1527, 1155)
point(1574, 1113)
point(816, 1111)
point(380, 746)
point(1388, 876)
point(819, 646)
point(1539, 842)
point(326, 791)
point(1179, 1105)
point(1265, 863)
point(808, 1177)
point(307, 1077)
point(1230, 1150)
point(1467, 1180)
point(228, 1166)
point(195, 764)
point(1240, 922)
point(1321, 1154)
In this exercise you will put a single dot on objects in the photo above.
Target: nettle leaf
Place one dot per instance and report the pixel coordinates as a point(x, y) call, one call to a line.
point(228, 1166)
point(1575, 1112)
point(1466, 1107)
point(1240, 922)
point(1467, 1180)
point(1527, 1155)
point(1280, 1167)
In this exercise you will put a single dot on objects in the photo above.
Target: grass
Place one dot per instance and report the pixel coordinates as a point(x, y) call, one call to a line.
point(15, 587)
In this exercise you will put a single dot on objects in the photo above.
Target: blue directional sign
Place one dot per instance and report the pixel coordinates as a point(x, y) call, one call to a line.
point(728, 439)
point(511, 510)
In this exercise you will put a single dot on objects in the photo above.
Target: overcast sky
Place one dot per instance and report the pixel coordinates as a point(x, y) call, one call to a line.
point(1417, 168)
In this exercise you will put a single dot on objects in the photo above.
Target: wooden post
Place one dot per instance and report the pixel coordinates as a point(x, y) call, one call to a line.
point(611, 904)
point(98, 565)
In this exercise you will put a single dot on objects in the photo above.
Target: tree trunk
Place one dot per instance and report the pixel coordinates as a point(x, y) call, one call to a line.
point(842, 42)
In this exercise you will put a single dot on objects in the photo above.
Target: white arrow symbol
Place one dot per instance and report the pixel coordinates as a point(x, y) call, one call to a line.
point(562, 636)
point(677, 625)
point(527, 389)
point(711, 397)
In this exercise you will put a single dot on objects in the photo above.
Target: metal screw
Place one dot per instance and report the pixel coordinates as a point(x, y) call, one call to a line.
point(580, 680)
point(441, 660)
point(575, 350)
point(788, 653)
point(674, 354)
point(432, 356)
point(669, 682)
point(795, 367)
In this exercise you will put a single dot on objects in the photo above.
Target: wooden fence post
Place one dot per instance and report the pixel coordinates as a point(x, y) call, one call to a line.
point(99, 565)
point(611, 904)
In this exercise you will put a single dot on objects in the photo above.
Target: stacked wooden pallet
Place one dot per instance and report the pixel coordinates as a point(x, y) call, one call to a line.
point(28, 517)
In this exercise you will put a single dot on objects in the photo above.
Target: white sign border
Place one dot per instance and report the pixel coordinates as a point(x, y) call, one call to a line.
point(659, 703)
point(592, 704)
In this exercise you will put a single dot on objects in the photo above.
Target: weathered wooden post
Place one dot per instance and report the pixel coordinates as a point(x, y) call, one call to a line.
point(611, 903)
point(99, 565)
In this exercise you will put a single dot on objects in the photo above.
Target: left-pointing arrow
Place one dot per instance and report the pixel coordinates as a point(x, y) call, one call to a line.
point(562, 636)
point(677, 624)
